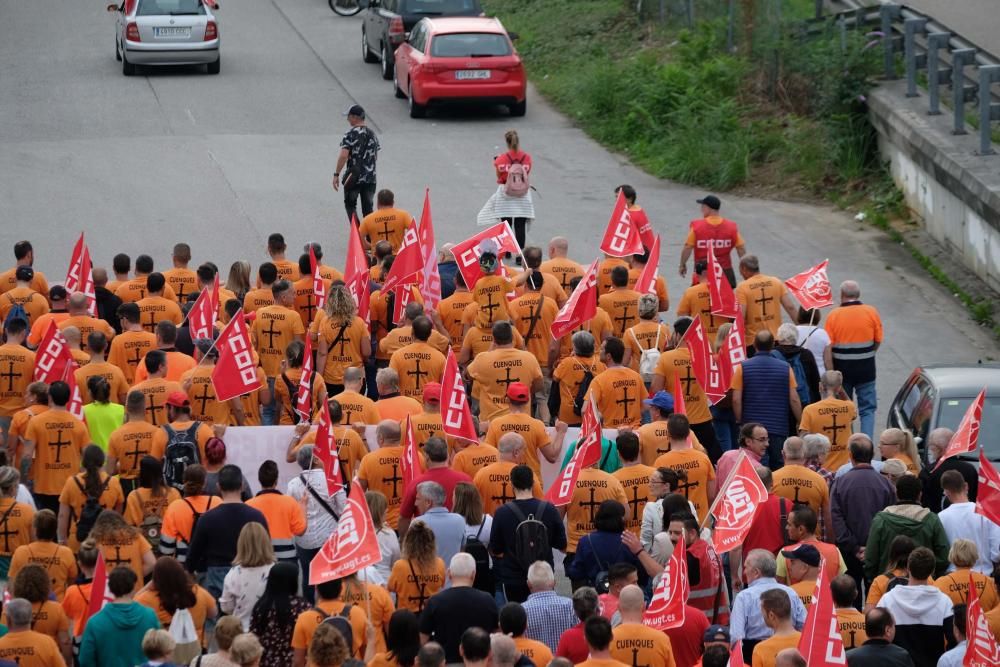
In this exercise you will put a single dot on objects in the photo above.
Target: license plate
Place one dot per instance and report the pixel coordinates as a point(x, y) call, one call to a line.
point(472, 74)
point(171, 32)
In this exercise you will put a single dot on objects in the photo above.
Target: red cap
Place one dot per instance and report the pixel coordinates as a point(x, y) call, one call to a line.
point(178, 399)
point(432, 392)
point(518, 391)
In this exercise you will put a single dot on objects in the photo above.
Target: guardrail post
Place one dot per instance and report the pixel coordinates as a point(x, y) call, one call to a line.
point(988, 110)
point(888, 12)
point(842, 27)
point(935, 41)
point(819, 9)
point(690, 13)
point(959, 59)
point(910, 29)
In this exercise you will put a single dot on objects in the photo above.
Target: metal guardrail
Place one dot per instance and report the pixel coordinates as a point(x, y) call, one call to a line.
point(947, 59)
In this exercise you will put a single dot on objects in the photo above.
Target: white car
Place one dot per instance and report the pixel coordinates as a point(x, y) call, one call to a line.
point(166, 32)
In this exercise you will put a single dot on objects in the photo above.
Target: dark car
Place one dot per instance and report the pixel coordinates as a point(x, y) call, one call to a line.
point(935, 396)
point(386, 23)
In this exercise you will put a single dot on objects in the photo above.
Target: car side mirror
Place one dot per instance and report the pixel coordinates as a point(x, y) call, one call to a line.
point(513, 36)
point(113, 9)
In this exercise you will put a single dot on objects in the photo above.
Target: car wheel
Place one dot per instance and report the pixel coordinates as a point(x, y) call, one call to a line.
point(128, 69)
point(366, 53)
point(416, 110)
point(395, 85)
point(387, 65)
point(118, 54)
point(519, 108)
point(216, 67)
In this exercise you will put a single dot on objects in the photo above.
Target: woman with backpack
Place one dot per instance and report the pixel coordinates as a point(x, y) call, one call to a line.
point(646, 340)
point(343, 340)
point(145, 507)
point(469, 505)
point(245, 582)
point(178, 601)
point(896, 573)
point(77, 600)
point(273, 617)
point(84, 496)
point(420, 573)
point(32, 583)
point(122, 544)
point(512, 200)
point(182, 515)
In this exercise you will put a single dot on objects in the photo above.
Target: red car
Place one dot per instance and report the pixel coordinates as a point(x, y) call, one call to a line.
point(448, 60)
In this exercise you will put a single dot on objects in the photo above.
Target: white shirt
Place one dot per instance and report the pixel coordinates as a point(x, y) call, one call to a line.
point(953, 658)
point(241, 589)
point(388, 544)
point(814, 339)
point(320, 524)
point(961, 522)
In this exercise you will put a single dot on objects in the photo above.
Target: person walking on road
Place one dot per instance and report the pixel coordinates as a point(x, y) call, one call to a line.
point(512, 200)
point(356, 164)
point(711, 229)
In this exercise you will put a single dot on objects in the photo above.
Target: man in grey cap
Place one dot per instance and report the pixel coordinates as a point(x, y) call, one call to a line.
point(356, 164)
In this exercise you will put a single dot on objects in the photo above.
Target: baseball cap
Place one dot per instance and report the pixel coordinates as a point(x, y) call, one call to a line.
point(806, 553)
point(178, 399)
point(355, 110)
point(662, 400)
point(57, 293)
point(432, 392)
point(711, 201)
point(518, 391)
point(716, 633)
point(24, 273)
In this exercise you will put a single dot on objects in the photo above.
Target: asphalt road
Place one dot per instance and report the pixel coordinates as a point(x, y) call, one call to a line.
point(222, 161)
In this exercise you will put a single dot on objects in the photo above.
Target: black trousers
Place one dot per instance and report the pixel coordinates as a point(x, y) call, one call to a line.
point(521, 231)
point(367, 193)
point(709, 440)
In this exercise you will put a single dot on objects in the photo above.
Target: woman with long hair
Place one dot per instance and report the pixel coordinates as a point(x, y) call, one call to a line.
point(245, 582)
point(145, 507)
point(467, 503)
point(286, 387)
point(122, 544)
point(506, 203)
point(32, 584)
point(895, 443)
point(101, 415)
point(899, 553)
point(273, 617)
point(402, 641)
point(420, 573)
point(388, 542)
point(94, 483)
point(238, 281)
point(178, 520)
point(172, 589)
point(343, 340)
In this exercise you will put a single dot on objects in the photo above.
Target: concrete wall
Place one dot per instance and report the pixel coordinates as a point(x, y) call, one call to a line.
point(951, 189)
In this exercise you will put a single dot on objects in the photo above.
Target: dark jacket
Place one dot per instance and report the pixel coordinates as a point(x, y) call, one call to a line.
point(447, 271)
point(855, 498)
point(107, 307)
point(808, 365)
point(878, 653)
point(904, 519)
point(597, 552)
point(933, 496)
point(923, 616)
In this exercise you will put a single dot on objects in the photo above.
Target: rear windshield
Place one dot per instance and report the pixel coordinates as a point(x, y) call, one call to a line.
point(470, 45)
point(170, 7)
point(442, 7)
point(952, 410)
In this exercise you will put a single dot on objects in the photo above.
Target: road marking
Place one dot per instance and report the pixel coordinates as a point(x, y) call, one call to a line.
point(190, 116)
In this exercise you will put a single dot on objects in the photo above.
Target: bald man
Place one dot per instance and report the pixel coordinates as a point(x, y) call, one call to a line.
point(559, 265)
point(634, 643)
point(382, 469)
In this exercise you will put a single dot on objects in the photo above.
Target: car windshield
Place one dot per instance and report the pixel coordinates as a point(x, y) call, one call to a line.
point(470, 45)
point(170, 8)
point(952, 410)
point(442, 7)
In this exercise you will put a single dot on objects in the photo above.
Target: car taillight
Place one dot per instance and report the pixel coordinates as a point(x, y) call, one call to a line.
point(432, 68)
point(132, 32)
point(396, 30)
point(211, 31)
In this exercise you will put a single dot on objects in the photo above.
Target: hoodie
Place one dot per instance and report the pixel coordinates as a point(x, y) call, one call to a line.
point(113, 636)
point(908, 519)
point(923, 616)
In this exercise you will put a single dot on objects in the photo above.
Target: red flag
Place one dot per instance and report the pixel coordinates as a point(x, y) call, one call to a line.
point(988, 495)
point(304, 397)
point(356, 274)
point(736, 655)
point(99, 593)
point(667, 608)
point(981, 649)
point(821, 643)
point(430, 284)
point(80, 276)
point(201, 319)
point(581, 306)
point(319, 287)
point(456, 417)
point(467, 252)
point(326, 451)
point(704, 364)
point(588, 452)
point(215, 295)
point(680, 407)
point(52, 357)
point(621, 238)
point(646, 283)
point(235, 373)
point(720, 292)
point(733, 352)
point(812, 287)
point(735, 506)
point(403, 296)
point(966, 438)
point(75, 405)
point(352, 547)
point(409, 262)
point(410, 460)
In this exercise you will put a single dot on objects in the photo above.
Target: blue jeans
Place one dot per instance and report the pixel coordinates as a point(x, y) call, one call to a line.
point(268, 415)
point(214, 578)
point(725, 428)
point(867, 402)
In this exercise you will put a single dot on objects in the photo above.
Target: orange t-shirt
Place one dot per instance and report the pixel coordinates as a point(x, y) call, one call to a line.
point(15, 519)
point(376, 598)
point(74, 498)
point(635, 480)
point(178, 364)
point(305, 298)
point(135, 289)
point(357, 409)
point(761, 296)
point(204, 405)
point(287, 269)
point(493, 483)
point(342, 350)
point(128, 349)
point(156, 391)
point(251, 403)
point(494, 371)
point(477, 341)
point(110, 372)
point(17, 364)
point(272, 331)
point(533, 650)
point(386, 224)
point(141, 503)
point(130, 442)
point(285, 516)
point(382, 471)
point(802, 485)
point(400, 337)
point(637, 644)
point(696, 300)
point(474, 458)
point(287, 414)
point(417, 364)
point(618, 393)
point(308, 621)
point(529, 317)
point(397, 408)
point(204, 604)
point(563, 269)
point(178, 521)
point(18, 425)
point(654, 441)
point(34, 304)
point(851, 625)
point(451, 310)
point(40, 325)
point(604, 270)
point(677, 362)
point(258, 298)
point(30, 649)
point(155, 309)
point(569, 374)
point(47, 618)
point(765, 654)
point(182, 281)
point(622, 305)
point(75, 604)
point(599, 326)
point(490, 295)
point(531, 429)
point(833, 418)
point(59, 439)
point(700, 472)
point(58, 561)
point(87, 325)
point(8, 281)
point(414, 584)
point(593, 487)
point(126, 549)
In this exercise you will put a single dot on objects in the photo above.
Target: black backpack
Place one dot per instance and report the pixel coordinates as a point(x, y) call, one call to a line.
point(181, 451)
point(475, 548)
point(531, 537)
point(342, 622)
point(91, 509)
point(581, 392)
point(195, 515)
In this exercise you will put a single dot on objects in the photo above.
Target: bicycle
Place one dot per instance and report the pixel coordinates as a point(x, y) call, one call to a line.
point(345, 7)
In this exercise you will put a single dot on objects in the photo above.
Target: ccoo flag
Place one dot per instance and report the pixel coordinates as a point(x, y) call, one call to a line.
point(235, 372)
point(621, 238)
